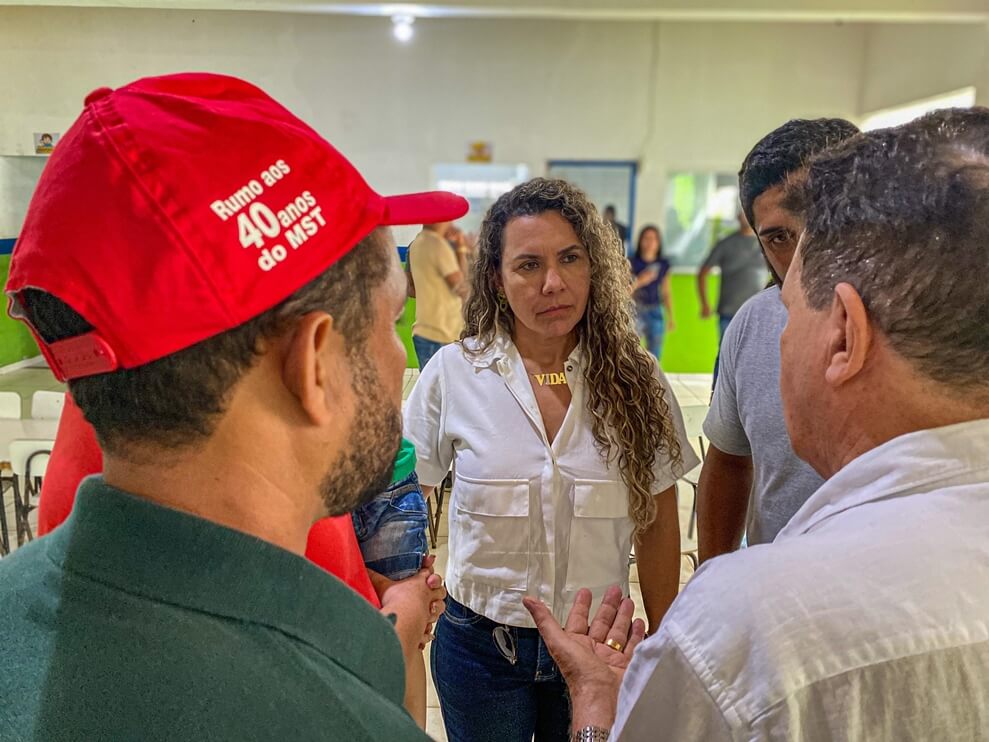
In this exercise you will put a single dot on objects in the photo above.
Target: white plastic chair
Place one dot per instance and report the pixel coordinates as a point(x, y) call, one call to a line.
point(28, 461)
point(47, 405)
point(10, 405)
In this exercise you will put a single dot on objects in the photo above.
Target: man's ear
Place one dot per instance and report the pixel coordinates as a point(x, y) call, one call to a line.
point(850, 335)
point(315, 368)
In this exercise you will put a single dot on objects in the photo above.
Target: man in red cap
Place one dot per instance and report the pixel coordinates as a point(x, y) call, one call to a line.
point(224, 317)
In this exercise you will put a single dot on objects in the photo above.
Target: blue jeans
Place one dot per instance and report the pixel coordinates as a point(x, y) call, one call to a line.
point(425, 349)
point(723, 321)
point(651, 323)
point(391, 530)
point(496, 683)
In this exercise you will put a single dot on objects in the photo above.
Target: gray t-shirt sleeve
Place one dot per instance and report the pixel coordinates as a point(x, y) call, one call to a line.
point(723, 424)
point(716, 256)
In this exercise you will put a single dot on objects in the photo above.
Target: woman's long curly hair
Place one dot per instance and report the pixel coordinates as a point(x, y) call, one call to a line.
point(631, 416)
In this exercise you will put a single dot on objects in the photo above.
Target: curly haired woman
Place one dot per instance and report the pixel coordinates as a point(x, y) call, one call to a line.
point(566, 443)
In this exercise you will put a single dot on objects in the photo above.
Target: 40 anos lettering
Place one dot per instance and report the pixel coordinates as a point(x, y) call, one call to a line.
point(300, 219)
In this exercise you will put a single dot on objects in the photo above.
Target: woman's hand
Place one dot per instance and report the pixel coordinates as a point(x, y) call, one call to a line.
point(646, 277)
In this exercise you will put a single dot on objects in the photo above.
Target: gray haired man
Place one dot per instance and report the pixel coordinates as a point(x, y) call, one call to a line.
point(866, 618)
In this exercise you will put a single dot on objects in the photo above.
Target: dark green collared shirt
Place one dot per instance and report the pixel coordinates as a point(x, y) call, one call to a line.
point(137, 622)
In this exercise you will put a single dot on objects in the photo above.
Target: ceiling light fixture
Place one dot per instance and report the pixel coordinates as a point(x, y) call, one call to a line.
point(402, 27)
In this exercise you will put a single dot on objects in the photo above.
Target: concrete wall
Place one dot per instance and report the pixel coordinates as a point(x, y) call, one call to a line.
point(671, 95)
point(905, 62)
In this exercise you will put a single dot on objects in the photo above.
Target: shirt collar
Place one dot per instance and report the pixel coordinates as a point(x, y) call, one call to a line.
point(910, 464)
point(173, 557)
point(503, 349)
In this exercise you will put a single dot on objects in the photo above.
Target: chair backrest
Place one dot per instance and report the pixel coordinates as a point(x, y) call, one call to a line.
point(39, 464)
point(10, 405)
point(693, 419)
point(47, 405)
point(29, 451)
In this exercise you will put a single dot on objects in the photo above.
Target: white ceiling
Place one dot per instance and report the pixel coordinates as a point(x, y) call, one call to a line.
point(919, 11)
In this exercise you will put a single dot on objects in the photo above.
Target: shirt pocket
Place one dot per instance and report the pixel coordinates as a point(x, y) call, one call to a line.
point(492, 539)
point(600, 535)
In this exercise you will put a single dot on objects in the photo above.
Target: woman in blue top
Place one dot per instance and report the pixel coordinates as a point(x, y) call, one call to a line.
point(651, 287)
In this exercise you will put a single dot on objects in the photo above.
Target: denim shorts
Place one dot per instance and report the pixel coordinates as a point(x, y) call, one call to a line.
point(391, 530)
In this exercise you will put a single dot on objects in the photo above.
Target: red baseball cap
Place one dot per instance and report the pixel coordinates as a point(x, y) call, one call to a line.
point(178, 207)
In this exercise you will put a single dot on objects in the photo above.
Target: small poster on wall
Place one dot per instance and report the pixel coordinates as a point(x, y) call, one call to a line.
point(479, 152)
point(44, 142)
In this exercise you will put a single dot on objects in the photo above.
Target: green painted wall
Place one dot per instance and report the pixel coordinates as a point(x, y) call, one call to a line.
point(405, 332)
point(688, 350)
point(691, 348)
point(16, 342)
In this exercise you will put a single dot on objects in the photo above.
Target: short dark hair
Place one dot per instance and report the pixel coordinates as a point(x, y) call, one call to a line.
point(964, 126)
point(784, 151)
point(177, 400)
point(903, 216)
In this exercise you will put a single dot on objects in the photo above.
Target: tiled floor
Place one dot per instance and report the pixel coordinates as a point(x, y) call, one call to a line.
point(691, 390)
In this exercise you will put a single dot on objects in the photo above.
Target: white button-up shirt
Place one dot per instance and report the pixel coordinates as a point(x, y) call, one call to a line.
point(866, 619)
point(526, 517)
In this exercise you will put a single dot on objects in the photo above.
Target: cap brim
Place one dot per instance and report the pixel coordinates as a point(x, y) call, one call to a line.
point(423, 208)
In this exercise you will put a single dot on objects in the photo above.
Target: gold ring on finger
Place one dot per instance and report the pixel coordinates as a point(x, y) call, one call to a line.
point(616, 645)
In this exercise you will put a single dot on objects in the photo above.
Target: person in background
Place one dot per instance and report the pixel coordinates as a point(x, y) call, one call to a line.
point(438, 281)
point(463, 245)
point(611, 218)
point(566, 443)
point(866, 618)
point(651, 289)
point(752, 482)
point(743, 275)
point(238, 396)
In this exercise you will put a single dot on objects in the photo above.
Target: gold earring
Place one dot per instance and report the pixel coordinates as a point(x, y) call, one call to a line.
point(502, 302)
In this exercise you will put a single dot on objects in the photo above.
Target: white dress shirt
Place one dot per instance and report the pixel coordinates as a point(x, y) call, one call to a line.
point(866, 619)
point(526, 517)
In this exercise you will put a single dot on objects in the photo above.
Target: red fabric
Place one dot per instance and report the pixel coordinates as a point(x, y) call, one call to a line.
point(178, 207)
point(74, 456)
point(332, 543)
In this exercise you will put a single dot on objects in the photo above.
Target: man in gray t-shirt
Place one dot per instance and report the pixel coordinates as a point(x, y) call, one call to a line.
point(743, 275)
point(751, 477)
point(746, 416)
point(743, 272)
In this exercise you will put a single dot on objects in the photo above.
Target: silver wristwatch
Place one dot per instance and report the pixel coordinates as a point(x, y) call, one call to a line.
point(590, 734)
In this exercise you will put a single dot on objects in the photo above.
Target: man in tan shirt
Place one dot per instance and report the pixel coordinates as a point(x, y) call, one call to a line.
point(437, 281)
